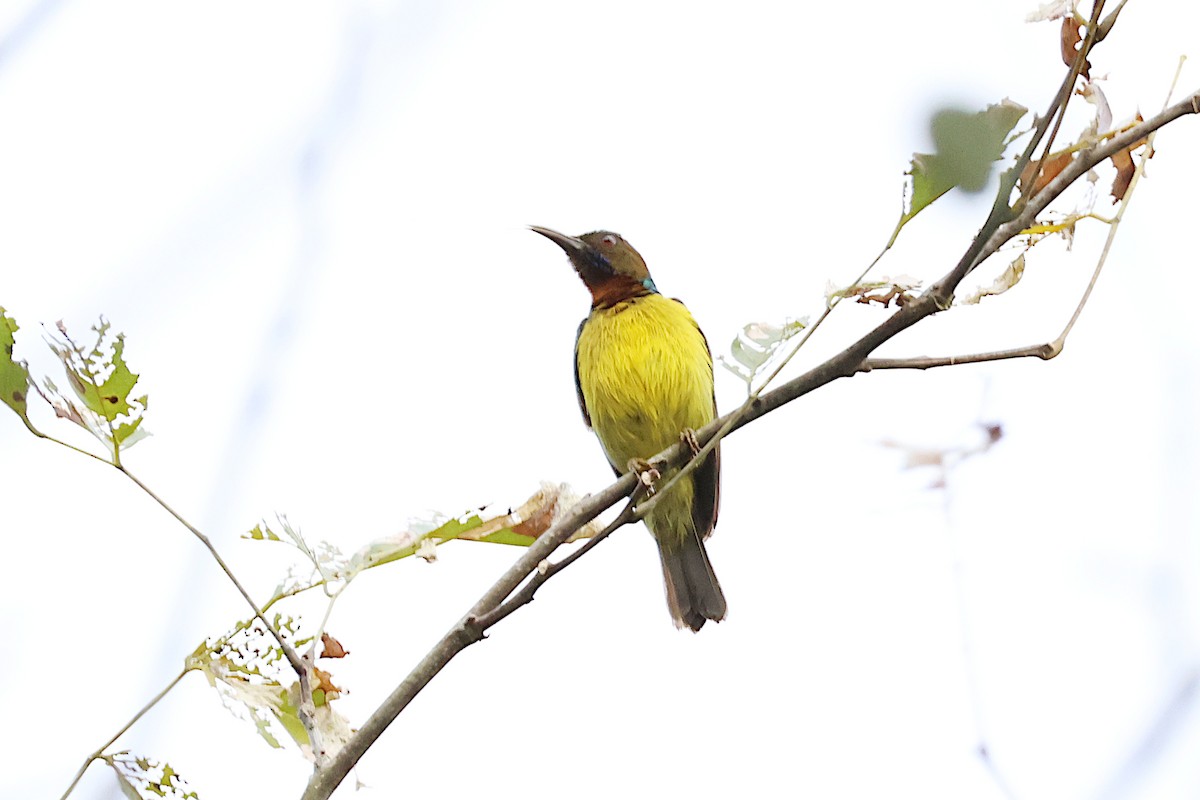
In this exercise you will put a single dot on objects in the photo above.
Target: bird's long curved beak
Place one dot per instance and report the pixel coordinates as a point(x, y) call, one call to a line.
point(571, 244)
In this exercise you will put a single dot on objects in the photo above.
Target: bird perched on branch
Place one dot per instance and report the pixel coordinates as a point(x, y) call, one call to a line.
point(644, 375)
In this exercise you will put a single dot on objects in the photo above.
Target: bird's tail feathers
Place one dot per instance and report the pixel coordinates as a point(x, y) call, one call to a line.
point(693, 594)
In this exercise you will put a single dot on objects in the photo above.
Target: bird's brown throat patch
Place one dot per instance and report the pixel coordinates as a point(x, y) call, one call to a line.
point(613, 289)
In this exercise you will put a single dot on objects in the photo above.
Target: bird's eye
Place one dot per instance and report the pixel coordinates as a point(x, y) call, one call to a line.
point(609, 240)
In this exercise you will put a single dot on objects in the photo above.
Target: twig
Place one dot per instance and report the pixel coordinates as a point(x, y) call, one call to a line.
point(526, 593)
point(87, 762)
point(1059, 109)
point(306, 705)
point(1042, 351)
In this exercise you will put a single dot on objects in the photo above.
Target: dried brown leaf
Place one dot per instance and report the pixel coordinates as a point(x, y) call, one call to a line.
point(332, 648)
point(1123, 161)
point(325, 684)
point(1069, 39)
point(1055, 163)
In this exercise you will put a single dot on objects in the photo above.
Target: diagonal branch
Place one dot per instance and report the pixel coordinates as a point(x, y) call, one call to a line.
point(525, 595)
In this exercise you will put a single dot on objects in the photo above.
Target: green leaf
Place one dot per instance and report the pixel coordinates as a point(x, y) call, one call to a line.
point(507, 536)
point(110, 399)
point(288, 716)
point(967, 147)
point(14, 375)
point(262, 533)
point(387, 549)
point(103, 383)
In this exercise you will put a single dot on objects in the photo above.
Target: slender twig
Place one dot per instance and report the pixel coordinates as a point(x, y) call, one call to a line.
point(526, 593)
point(1061, 100)
point(100, 750)
point(1103, 30)
point(1042, 351)
point(1147, 154)
point(304, 710)
point(292, 657)
point(70, 446)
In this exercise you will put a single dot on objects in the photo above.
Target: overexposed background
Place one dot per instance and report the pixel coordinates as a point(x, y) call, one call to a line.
point(308, 219)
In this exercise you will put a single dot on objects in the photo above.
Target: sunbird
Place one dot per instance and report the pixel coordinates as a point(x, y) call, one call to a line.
point(644, 376)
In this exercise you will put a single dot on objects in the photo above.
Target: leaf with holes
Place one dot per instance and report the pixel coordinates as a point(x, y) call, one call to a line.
point(103, 384)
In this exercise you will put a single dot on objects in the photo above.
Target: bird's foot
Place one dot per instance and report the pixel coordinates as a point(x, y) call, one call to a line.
point(646, 472)
point(688, 436)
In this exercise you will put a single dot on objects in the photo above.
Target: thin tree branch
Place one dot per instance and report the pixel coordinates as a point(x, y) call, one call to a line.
point(87, 762)
point(1106, 26)
point(1059, 109)
point(526, 593)
point(1042, 351)
point(297, 664)
point(306, 705)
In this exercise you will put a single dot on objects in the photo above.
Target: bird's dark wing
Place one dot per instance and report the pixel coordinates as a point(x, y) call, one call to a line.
point(708, 493)
point(708, 474)
point(587, 418)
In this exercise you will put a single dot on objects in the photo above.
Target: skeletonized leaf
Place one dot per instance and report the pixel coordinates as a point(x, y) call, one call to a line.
point(902, 289)
point(327, 560)
point(1092, 93)
point(244, 667)
point(1055, 9)
point(1008, 279)
point(756, 345)
point(142, 778)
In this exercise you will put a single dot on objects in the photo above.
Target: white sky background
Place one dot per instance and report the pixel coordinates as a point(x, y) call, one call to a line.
point(309, 222)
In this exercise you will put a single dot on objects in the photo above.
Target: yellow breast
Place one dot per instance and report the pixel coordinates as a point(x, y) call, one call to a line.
point(645, 374)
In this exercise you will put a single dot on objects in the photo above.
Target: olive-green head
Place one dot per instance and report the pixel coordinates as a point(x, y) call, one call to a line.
point(609, 266)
